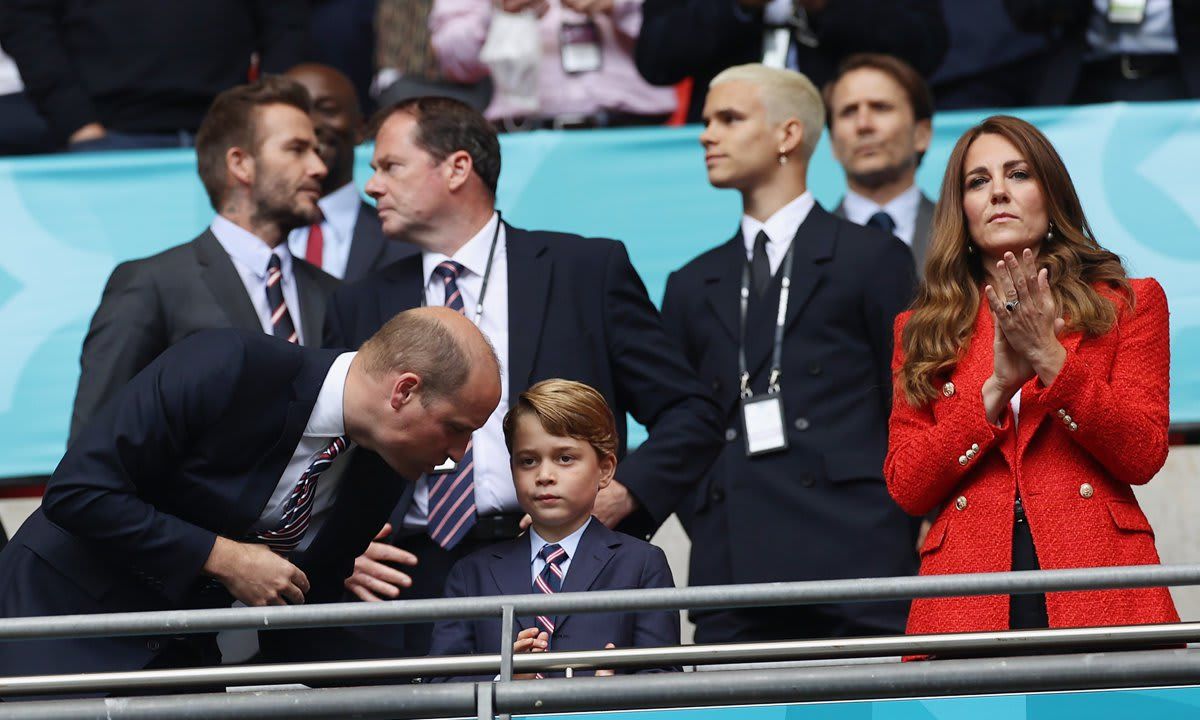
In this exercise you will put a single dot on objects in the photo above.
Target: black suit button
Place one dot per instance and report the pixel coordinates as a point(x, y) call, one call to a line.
point(716, 385)
point(153, 645)
point(814, 369)
point(730, 435)
point(801, 423)
point(717, 495)
point(807, 480)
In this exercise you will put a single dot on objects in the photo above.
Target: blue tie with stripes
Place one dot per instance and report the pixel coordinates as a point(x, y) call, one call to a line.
point(452, 495)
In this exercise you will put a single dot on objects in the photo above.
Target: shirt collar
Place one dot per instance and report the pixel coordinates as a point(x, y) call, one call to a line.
point(473, 256)
point(248, 249)
point(859, 209)
point(782, 226)
point(570, 543)
point(328, 414)
point(340, 207)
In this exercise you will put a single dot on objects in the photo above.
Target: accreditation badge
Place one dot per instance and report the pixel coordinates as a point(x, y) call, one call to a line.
point(1126, 12)
point(579, 45)
point(762, 421)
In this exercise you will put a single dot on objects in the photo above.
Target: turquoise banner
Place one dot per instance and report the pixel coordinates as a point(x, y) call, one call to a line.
point(1158, 703)
point(66, 221)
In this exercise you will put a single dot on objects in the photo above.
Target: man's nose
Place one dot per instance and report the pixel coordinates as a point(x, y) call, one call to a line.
point(372, 187)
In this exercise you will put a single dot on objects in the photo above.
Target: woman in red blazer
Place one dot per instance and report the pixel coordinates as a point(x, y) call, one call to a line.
point(1030, 393)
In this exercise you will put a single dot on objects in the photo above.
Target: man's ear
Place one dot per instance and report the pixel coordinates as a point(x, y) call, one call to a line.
point(240, 166)
point(791, 136)
point(405, 390)
point(458, 168)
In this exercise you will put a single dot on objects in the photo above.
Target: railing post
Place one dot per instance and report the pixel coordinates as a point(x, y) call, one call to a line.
point(485, 701)
point(508, 621)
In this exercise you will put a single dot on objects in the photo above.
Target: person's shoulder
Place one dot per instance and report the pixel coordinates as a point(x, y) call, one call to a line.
point(326, 282)
point(382, 278)
point(1148, 295)
point(632, 547)
point(162, 261)
point(563, 243)
point(712, 260)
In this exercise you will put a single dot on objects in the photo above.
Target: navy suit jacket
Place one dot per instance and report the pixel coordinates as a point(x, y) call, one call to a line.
point(822, 502)
point(191, 448)
point(604, 560)
point(576, 310)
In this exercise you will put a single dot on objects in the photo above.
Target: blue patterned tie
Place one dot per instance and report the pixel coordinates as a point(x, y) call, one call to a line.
point(281, 318)
point(549, 581)
point(298, 507)
point(452, 495)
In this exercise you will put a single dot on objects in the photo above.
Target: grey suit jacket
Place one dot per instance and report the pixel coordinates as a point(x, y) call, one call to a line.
point(370, 249)
point(150, 304)
point(921, 231)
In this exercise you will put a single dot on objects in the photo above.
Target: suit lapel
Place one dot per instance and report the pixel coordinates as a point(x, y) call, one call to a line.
point(921, 229)
point(814, 244)
point(405, 291)
point(305, 386)
point(222, 279)
point(840, 210)
point(723, 285)
point(312, 301)
point(529, 270)
point(596, 548)
point(511, 570)
point(366, 244)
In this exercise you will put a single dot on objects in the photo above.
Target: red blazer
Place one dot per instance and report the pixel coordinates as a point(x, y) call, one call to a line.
point(1077, 449)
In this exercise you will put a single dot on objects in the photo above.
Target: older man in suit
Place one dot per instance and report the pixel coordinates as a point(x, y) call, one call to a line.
point(347, 241)
point(554, 305)
point(257, 157)
point(227, 470)
point(880, 117)
point(790, 323)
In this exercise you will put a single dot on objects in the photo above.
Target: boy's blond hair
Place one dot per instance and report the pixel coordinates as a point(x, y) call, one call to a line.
point(786, 94)
point(566, 408)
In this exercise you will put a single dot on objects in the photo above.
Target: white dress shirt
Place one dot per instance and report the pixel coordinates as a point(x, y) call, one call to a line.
point(902, 208)
point(570, 543)
point(340, 209)
point(250, 256)
point(494, 492)
point(325, 423)
point(780, 228)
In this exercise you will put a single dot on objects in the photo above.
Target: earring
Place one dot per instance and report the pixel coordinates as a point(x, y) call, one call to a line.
point(782, 157)
point(970, 248)
point(1050, 232)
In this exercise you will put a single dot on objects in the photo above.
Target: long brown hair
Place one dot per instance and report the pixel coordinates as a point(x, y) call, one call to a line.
point(945, 309)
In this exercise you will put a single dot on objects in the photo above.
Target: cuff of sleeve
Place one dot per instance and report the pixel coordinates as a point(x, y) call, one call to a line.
point(187, 564)
point(1071, 387)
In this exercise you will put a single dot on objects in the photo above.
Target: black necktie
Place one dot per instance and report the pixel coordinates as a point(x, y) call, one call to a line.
point(883, 221)
point(760, 267)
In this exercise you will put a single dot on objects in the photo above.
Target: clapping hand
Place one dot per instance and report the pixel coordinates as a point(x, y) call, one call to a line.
point(539, 7)
point(1027, 324)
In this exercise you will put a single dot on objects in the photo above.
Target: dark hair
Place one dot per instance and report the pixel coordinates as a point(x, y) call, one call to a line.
point(445, 126)
point(947, 303)
point(232, 121)
point(914, 86)
point(414, 341)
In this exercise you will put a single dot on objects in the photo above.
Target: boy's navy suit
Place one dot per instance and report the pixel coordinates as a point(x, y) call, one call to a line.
point(604, 560)
point(191, 448)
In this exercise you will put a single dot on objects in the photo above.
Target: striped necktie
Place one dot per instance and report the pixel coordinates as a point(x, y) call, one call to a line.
point(298, 508)
point(452, 495)
point(549, 581)
point(281, 319)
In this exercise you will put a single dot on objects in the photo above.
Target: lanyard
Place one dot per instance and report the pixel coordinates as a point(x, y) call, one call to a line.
point(487, 271)
point(780, 317)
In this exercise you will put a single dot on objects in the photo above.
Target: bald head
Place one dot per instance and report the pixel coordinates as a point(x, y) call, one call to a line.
point(437, 344)
point(336, 117)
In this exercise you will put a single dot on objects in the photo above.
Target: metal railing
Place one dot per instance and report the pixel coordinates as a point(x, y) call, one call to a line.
point(508, 607)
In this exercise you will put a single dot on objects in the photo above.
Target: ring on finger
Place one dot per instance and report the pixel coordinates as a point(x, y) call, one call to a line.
point(1011, 305)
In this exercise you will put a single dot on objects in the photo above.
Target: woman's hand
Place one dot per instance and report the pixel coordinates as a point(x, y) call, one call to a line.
point(1027, 315)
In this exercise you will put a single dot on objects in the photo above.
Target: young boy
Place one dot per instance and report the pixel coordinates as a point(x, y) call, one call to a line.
point(562, 440)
